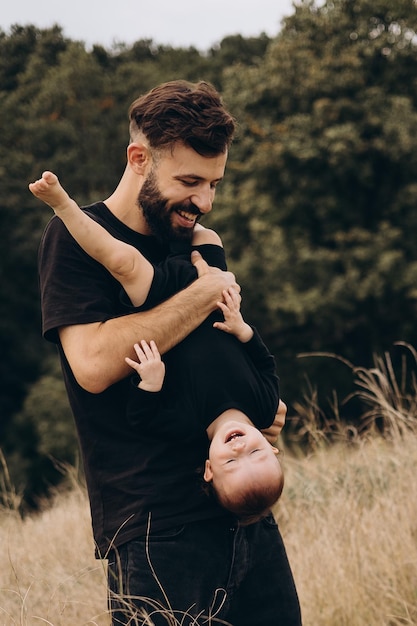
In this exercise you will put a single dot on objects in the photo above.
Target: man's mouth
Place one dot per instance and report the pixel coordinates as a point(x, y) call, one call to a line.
point(190, 217)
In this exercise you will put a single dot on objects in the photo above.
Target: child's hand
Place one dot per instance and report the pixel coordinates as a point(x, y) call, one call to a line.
point(233, 320)
point(150, 368)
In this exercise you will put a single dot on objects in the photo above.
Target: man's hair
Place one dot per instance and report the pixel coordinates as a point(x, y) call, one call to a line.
point(180, 111)
point(251, 503)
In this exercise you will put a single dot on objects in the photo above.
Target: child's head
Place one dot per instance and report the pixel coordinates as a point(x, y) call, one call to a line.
point(244, 470)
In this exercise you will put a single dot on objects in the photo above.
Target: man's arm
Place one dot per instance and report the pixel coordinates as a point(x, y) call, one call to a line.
point(96, 352)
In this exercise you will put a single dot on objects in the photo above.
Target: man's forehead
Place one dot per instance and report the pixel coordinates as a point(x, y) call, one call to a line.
point(184, 161)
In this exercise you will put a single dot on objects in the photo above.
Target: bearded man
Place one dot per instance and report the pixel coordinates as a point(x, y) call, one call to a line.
point(170, 548)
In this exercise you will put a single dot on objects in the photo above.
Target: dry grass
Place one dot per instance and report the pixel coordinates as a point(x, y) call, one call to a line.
point(348, 516)
point(349, 520)
point(49, 574)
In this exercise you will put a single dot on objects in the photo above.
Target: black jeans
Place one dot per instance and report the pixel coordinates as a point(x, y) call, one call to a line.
point(208, 571)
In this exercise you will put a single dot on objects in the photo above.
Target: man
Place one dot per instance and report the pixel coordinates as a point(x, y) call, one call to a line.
point(169, 545)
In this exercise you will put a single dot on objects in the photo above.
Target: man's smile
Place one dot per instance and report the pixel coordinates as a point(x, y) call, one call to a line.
point(190, 217)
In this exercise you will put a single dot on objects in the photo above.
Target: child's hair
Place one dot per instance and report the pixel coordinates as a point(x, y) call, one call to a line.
point(252, 502)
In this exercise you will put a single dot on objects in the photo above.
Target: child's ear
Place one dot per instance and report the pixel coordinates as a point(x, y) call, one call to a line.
point(208, 474)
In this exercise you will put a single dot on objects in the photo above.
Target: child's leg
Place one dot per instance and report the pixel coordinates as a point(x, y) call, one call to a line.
point(203, 235)
point(123, 261)
point(49, 189)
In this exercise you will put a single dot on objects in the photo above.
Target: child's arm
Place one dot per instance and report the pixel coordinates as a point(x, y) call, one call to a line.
point(151, 368)
point(124, 262)
point(233, 320)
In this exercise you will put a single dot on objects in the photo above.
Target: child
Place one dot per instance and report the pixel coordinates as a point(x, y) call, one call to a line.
point(224, 383)
point(213, 387)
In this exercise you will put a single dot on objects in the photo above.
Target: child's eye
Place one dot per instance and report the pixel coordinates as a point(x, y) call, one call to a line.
point(256, 450)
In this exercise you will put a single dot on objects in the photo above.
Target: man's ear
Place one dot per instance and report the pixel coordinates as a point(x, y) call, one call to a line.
point(208, 474)
point(138, 157)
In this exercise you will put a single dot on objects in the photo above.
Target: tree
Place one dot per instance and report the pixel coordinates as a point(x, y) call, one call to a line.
point(22, 348)
point(318, 209)
point(61, 108)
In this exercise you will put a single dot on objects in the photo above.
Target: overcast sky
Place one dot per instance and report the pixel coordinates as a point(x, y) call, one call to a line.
point(180, 23)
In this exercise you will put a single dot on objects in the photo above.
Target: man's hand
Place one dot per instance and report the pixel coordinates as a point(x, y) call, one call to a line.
point(219, 280)
point(271, 434)
point(96, 351)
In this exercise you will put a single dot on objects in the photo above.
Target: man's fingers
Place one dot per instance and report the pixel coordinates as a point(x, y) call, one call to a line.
point(272, 433)
point(199, 263)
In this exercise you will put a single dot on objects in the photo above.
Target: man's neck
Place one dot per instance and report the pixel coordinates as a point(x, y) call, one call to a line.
point(123, 203)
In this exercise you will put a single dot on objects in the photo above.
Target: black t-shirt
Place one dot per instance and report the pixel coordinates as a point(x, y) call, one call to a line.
point(209, 372)
point(131, 475)
point(206, 374)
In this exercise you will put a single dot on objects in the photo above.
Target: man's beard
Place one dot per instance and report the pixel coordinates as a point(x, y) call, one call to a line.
point(158, 215)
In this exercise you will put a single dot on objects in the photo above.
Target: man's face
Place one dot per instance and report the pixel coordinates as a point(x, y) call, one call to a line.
point(179, 189)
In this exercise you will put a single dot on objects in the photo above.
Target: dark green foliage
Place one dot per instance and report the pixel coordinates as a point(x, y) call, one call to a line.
point(321, 184)
point(62, 108)
point(317, 210)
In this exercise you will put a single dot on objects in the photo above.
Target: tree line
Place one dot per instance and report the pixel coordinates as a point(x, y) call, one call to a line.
point(316, 212)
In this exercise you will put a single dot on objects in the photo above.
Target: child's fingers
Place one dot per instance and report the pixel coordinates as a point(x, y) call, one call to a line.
point(232, 297)
point(133, 364)
point(147, 351)
point(222, 306)
point(150, 349)
point(228, 308)
point(154, 349)
point(228, 300)
point(146, 348)
point(139, 352)
point(222, 326)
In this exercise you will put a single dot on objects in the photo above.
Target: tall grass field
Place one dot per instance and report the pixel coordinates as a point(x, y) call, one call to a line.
point(348, 515)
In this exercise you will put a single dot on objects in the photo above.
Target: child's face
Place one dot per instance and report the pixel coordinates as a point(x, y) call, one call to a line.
point(240, 454)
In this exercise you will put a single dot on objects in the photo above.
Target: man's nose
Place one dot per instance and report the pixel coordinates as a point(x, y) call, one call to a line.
point(203, 199)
